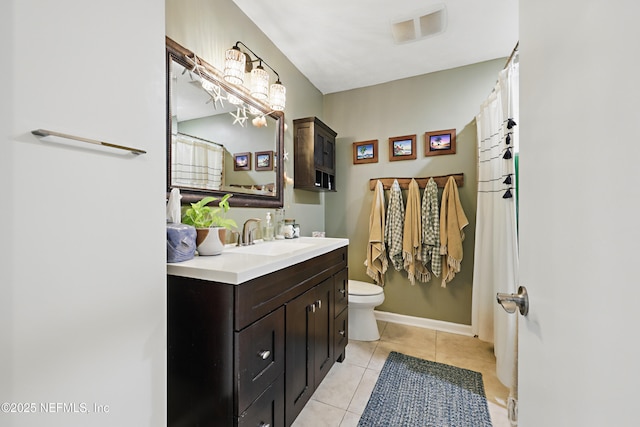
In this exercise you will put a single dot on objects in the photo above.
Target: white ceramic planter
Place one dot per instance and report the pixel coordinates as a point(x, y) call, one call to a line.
point(210, 241)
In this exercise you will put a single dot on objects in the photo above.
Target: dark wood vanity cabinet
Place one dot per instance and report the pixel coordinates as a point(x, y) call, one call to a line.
point(309, 345)
point(253, 354)
point(314, 155)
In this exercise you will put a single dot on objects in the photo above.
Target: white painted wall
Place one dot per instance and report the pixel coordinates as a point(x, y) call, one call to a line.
point(82, 273)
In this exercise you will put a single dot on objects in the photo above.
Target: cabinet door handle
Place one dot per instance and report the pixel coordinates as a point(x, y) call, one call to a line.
point(319, 302)
point(264, 354)
point(313, 307)
point(341, 333)
point(343, 291)
point(263, 424)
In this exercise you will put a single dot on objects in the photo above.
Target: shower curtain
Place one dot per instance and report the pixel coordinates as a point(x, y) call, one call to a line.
point(496, 253)
point(196, 163)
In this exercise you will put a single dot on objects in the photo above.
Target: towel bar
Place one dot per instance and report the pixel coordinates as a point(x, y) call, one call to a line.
point(422, 182)
point(43, 132)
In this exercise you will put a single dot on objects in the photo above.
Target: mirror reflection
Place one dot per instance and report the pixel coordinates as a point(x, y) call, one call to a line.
point(220, 140)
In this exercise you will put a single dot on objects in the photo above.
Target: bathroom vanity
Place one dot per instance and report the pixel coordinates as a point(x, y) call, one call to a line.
point(252, 332)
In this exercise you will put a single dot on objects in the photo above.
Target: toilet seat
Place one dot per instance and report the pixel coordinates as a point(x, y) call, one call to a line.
point(357, 287)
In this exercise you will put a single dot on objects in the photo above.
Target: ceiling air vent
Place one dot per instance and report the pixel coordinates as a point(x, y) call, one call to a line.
point(427, 24)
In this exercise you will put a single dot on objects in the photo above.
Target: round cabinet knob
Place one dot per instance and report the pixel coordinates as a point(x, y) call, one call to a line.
point(341, 333)
point(264, 354)
point(343, 291)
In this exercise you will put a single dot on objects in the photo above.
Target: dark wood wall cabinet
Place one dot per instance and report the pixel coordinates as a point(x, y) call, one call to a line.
point(314, 155)
point(253, 354)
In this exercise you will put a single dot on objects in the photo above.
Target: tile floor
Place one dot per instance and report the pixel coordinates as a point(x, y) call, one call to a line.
point(343, 395)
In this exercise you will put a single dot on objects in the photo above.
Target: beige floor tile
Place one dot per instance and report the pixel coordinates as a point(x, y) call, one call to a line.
point(363, 393)
point(318, 414)
point(359, 352)
point(339, 386)
point(409, 335)
point(448, 344)
point(383, 349)
point(381, 325)
point(350, 420)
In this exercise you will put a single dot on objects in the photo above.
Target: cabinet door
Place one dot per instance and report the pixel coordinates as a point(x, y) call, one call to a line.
point(259, 357)
point(299, 350)
point(322, 310)
point(323, 150)
point(328, 153)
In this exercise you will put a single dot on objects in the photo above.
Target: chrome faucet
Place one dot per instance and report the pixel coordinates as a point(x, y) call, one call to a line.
point(248, 231)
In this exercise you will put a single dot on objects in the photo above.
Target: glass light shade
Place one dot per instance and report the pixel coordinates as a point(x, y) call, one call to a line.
point(234, 65)
point(260, 83)
point(278, 96)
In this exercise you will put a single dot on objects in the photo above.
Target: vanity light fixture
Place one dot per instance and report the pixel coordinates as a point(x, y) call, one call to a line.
point(237, 63)
point(234, 65)
point(260, 83)
point(278, 96)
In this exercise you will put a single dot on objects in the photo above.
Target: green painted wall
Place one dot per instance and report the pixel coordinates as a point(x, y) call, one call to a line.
point(431, 102)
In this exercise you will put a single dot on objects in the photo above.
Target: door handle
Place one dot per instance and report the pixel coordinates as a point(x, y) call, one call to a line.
point(512, 301)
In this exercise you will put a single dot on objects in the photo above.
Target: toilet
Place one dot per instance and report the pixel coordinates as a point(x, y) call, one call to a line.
point(363, 298)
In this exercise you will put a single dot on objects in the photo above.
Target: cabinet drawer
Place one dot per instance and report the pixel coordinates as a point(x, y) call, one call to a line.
point(268, 409)
point(341, 335)
point(259, 356)
point(260, 296)
point(341, 291)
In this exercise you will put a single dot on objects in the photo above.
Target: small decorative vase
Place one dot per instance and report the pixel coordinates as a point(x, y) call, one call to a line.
point(210, 241)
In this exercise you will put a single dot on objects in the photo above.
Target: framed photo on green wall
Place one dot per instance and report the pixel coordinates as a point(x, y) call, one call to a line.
point(402, 148)
point(365, 152)
point(440, 142)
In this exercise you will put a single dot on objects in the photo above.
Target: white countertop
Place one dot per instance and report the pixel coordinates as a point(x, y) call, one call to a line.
point(237, 265)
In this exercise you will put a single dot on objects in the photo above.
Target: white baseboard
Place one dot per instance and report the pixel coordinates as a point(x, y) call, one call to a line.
point(438, 325)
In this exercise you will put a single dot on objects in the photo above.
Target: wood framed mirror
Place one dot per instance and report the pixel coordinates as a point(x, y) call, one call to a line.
point(208, 120)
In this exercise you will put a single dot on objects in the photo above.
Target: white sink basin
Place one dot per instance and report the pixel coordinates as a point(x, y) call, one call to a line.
point(274, 248)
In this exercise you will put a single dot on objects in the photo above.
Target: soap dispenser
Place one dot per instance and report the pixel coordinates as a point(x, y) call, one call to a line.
point(267, 231)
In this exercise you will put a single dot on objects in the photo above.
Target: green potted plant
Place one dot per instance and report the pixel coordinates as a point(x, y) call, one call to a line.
point(210, 222)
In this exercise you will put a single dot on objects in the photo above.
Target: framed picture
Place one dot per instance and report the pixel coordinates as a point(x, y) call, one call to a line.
point(440, 142)
point(402, 148)
point(242, 162)
point(365, 152)
point(264, 160)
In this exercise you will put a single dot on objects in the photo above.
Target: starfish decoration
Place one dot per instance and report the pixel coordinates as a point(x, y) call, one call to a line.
point(240, 116)
point(218, 96)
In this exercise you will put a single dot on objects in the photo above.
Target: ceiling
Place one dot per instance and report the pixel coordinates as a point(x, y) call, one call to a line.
point(346, 44)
